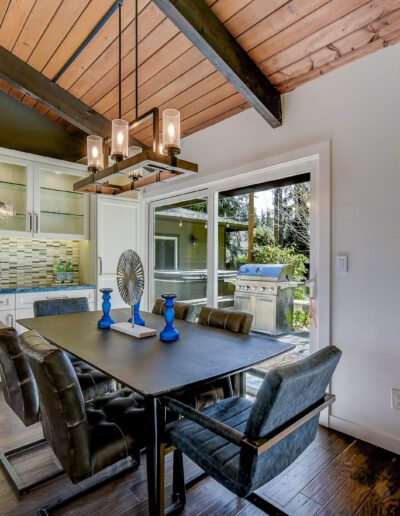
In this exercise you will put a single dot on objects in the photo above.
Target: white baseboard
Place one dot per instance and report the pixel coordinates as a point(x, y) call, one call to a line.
point(370, 435)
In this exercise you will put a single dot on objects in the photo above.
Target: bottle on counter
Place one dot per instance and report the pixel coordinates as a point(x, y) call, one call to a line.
point(69, 272)
point(60, 272)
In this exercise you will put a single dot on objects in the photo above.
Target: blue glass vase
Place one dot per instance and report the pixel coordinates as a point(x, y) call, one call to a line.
point(106, 320)
point(137, 318)
point(169, 333)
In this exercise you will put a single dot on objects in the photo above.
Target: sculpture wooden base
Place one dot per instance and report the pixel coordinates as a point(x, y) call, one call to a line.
point(135, 331)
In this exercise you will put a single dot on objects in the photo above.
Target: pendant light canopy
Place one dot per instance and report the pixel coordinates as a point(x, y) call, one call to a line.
point(160, 163)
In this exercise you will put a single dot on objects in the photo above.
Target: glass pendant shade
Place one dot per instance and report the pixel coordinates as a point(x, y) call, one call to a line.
point(94, 153)
point(119, 139)
point(133, 150)
point(171, 132)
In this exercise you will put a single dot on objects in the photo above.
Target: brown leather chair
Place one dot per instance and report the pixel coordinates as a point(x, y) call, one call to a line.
point(206, 395)
point(86, 437)
point(93, 382)
point(231, 320)
point(21, 395)
point(183, 311)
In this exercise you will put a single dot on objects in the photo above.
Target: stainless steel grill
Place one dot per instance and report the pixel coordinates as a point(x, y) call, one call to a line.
point(266, 291)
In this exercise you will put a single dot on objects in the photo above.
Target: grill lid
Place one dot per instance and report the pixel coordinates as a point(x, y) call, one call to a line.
point(268, 272)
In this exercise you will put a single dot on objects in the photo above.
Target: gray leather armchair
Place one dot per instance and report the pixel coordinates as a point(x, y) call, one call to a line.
point(244, 444)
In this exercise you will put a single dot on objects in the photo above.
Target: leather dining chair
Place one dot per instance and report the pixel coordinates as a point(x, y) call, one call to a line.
point(93, 382)
point(86, 437)
point(244, 444)
point(183, 311)
point(21, 395)
point(205, 395)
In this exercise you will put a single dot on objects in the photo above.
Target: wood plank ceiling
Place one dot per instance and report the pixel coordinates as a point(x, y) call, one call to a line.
point(292, 42)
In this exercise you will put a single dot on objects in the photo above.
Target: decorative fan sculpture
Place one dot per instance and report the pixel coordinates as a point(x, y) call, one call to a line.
point(130, 277)
point(130, 280)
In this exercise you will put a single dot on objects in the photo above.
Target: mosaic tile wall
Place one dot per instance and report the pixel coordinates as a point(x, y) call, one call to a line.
point(30, 263)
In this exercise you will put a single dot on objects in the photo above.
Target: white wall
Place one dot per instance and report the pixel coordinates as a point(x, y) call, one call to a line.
point(358, 108)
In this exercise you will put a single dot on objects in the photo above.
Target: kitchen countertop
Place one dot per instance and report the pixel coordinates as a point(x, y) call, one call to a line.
point(19, 290)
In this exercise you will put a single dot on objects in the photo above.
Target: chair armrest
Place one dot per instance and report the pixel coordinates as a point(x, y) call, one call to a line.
point(225, 431)
point(261, 446)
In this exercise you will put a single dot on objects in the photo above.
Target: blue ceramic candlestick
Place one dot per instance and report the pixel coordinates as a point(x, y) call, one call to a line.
point(169, 333)
point(106, 320)
point(137, 318)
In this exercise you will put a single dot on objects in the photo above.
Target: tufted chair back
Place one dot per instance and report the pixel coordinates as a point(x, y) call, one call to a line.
point(231, 320)
point(19, 386)
point(62, 407)
point(286, 392)
point(183, 311)
point(60, 306)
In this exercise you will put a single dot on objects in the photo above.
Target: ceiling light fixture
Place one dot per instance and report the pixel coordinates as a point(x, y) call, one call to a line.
point(160, 162)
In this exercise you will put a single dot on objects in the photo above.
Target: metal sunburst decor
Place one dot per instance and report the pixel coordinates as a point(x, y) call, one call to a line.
point(130, 277)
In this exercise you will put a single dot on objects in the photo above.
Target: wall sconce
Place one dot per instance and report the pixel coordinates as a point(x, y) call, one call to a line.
point(119, 139)
point(193, 240)
point(94, 153)
point(171, 132)
point(180, 223)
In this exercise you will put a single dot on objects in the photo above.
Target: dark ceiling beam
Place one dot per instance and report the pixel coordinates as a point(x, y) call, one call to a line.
point(202, 27)
point(25, 129)
point(25, 78)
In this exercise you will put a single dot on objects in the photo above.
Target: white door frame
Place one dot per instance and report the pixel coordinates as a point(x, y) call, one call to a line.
point(315, 159)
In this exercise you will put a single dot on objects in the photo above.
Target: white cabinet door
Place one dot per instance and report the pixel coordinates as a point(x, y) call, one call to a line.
point(117, 230)
point(59, 212)
point(16, 191)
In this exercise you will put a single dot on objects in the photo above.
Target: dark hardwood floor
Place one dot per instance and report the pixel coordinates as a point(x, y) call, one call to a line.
point(337, 475)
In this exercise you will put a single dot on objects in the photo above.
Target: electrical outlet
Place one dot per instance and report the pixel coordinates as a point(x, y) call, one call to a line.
point(396, 399)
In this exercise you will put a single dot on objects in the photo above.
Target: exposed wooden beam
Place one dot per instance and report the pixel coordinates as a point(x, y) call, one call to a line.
point(25, 129)
point(21, 75)
point(201, 26)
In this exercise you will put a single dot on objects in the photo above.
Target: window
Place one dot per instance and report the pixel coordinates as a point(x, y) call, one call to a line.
point(166, 253)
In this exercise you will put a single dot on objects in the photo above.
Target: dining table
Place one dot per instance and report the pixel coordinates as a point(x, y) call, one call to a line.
point(154, 368)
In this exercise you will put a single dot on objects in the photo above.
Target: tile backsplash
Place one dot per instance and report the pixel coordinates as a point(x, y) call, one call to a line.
point(28, 262)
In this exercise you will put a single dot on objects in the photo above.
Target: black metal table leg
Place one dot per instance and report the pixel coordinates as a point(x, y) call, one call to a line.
point(154, 429)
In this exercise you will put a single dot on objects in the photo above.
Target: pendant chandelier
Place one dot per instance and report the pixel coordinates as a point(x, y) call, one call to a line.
point(160, 162)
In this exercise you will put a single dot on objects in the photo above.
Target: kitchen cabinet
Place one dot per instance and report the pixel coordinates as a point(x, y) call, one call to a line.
point(41, 194)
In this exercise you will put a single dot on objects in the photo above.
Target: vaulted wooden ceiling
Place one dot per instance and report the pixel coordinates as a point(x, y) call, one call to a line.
point(291, 41)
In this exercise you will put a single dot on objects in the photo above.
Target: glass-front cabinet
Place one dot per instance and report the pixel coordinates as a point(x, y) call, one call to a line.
point(61, 212)
point(16, 197)
point(38, 200)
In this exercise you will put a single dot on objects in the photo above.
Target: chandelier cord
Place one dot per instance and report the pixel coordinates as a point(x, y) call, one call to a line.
point(120, 59)
point(136, 60)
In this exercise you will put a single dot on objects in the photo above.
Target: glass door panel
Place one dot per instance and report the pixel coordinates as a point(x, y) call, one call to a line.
point(14, 183)
point(180, 251)
point(62, 211)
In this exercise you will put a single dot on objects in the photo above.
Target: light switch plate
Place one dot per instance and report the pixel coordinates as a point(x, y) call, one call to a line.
point(396, 399)
point(342, 264)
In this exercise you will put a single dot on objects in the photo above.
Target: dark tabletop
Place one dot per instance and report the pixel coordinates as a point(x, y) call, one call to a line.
point(148, 365)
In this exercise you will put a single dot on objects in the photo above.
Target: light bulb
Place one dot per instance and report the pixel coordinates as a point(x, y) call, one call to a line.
point(95, 152)
point(161, 149)
point(171, 132)
point(120, 138)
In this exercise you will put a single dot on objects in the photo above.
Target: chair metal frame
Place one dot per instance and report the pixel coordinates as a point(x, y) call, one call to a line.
point(22, 487)
point(256, 447)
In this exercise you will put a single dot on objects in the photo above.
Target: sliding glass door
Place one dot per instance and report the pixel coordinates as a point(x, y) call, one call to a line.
point(180, 250)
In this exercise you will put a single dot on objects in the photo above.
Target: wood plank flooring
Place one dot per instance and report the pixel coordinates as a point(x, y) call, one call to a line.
point(337, 475)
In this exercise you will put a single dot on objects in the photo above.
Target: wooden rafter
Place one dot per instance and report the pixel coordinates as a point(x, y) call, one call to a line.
point(21, 75)
point(202, 27)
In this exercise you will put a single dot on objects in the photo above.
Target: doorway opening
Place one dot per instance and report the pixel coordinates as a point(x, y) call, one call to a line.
point(264, 246)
